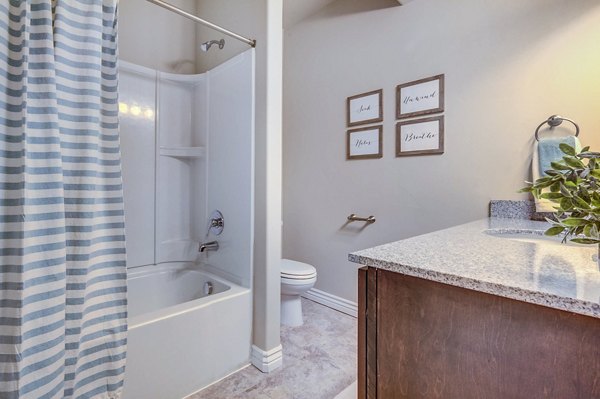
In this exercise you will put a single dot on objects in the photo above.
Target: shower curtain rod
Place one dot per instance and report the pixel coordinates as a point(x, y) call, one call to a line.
point(170, 7)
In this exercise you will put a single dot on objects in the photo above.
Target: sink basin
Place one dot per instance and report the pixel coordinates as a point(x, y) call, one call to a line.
point(532, 237)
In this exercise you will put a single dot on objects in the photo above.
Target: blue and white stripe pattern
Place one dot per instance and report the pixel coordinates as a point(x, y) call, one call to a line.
point(63, 317)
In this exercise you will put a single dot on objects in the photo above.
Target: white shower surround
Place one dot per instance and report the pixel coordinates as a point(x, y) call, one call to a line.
point(188, 148)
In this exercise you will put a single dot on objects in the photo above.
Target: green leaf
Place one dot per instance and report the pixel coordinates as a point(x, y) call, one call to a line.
point(585, 240)
point(570, 184)
point(588, 154)
point(552, 196)
point(585, 173)
point(555, 187)
point(585, 149)
point(580, 203)
point(566, 204)
point(526, 190)
point(574, 222)
point(596, 199)
point(573, 162)
point(583, 193)
point(565, 191)
point(554, 231)
point(543, 184)
point(595, 173)
point(559, 166)
point(543, 180)
point(587, 230)
point(552, 173)
point(567, 149)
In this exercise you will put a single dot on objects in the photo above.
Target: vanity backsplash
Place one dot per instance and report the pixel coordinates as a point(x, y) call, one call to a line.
point(511, 209)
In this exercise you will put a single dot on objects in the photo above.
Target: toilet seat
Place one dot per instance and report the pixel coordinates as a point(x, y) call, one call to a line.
point(293, 270)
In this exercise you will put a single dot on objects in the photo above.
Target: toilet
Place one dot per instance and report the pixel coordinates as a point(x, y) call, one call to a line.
point(296, 279)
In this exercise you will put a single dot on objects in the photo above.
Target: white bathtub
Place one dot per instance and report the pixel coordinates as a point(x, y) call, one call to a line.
point(180, 340)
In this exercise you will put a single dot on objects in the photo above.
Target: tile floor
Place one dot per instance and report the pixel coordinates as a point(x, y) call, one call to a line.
point(319, 362)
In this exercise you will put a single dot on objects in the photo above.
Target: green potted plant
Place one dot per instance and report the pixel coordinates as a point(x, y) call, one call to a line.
point(573, 184)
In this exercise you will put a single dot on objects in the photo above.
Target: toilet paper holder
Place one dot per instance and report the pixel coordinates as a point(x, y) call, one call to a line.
point(369, 220)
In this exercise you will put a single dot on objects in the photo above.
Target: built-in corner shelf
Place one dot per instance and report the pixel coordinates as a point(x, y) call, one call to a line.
point(183, 152)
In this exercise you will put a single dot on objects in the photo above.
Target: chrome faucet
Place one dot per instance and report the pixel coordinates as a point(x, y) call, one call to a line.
point(209, 246)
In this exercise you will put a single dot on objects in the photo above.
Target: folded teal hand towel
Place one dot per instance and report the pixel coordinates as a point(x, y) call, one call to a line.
point(549, 150)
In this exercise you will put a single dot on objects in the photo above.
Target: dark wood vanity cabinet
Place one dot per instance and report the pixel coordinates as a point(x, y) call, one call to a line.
point(423, 339)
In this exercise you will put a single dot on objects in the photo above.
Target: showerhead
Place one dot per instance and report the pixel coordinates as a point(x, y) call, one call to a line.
point(207, 45)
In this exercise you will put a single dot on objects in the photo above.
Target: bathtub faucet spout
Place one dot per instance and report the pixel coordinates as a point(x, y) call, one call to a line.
point(209, 246)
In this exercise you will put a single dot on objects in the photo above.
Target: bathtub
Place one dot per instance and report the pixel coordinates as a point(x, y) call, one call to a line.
point(181, 337)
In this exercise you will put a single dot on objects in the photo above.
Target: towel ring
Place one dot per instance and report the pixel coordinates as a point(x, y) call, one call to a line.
point(553, 121)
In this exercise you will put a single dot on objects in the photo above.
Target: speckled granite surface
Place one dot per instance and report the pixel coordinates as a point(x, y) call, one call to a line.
point(512, 209)
point(506, 257)
point(516, 209)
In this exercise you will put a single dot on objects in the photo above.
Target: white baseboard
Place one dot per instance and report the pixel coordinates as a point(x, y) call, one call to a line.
point(267, 361)
point(332, 301)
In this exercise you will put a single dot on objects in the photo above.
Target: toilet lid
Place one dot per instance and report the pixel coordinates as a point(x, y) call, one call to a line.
point(292, 269)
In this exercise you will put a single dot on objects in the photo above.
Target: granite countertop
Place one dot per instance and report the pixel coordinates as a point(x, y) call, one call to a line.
point(505, 257)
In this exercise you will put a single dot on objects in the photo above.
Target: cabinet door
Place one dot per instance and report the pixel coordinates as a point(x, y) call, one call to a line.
point(440, 341)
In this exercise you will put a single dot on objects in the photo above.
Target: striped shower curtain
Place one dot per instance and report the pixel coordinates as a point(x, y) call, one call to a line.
point(62, 246)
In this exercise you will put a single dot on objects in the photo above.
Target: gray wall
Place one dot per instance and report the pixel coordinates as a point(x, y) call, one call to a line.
point(245, 18)
point(156, 38)
point(508, 66)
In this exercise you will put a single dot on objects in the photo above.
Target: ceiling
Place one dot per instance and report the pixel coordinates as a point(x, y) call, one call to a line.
point(295, 11)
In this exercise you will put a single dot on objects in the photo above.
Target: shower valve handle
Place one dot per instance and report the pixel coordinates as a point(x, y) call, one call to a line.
point(216, 223)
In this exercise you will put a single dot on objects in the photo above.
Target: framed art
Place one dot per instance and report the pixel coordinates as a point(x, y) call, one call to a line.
point(364, 143)
point(364, 108)
point(420, 97)
point(420, 137)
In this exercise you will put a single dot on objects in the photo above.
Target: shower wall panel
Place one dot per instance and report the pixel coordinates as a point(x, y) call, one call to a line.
point(231, 164)
point(181, 167)
point(137, 106)
point(188, 149)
